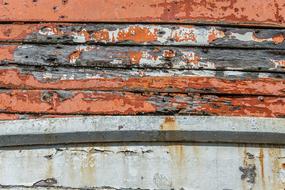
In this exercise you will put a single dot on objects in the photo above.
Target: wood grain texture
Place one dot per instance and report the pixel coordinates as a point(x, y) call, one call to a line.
point(138, 34)
point(249, 12)
point(143, 57)
point(146, 80)
point(119, 103)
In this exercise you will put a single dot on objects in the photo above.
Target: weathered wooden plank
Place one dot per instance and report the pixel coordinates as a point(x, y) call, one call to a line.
point(123, 129)
point(136, 80)
point(250, 12)
point(143, 57)
point(138, 34)
point(86, 102)
point(146, 166)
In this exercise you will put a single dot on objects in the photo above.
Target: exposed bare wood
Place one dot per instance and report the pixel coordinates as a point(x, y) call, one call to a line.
point(143, 57)
point(249, 12)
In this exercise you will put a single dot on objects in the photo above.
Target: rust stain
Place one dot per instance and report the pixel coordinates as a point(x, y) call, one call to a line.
point(274, 155)
point(177, 154)
point(169, 124)
point(261, 160)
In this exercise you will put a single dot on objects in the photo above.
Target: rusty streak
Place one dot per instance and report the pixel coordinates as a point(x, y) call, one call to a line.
point(84, 102)
point(250, 12)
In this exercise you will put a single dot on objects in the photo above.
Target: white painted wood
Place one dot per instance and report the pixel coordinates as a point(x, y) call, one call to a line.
point(142, 128)
point(146, 166)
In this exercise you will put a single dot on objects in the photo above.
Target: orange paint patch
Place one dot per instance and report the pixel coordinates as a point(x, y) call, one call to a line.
point(4, 116)
point(215, 34)
point(17, 31)
point(135, 56)
point(6, 52)
point(101, 35)
point(137, 34)
point(77, 102)
point(278, 39)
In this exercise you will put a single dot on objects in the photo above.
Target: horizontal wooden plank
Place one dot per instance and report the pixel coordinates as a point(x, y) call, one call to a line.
point(126, 129)
point(144, 166)
point(250, 12)
point(144, 57)
point(137, 34)
point(125, 103)
point(147, 80)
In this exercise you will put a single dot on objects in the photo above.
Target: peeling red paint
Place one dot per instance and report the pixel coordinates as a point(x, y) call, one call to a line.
point(248, 106)
point(6, 52)
point(4, 116)
point(76, 102)
point(17, 32)
point(81, 102)
point(262, 12)
point(13, 78)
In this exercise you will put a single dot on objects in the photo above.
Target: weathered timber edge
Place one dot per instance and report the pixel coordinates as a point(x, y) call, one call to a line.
point(142, 129)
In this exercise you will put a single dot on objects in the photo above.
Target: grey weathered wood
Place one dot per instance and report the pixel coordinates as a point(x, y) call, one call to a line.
point(145, 34)
point(148, 57)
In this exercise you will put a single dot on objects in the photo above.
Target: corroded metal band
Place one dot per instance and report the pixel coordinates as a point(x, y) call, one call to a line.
point(142, 129)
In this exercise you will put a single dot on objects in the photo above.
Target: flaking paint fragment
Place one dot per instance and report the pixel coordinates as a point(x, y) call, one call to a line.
point(251, 37)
